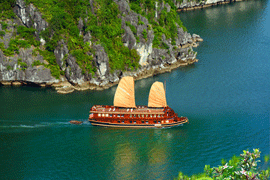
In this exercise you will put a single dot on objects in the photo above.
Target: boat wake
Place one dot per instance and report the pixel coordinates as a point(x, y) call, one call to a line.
point(5, 124)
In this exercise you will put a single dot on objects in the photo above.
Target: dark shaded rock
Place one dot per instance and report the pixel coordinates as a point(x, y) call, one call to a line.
point(80, 25)
point(30, 16)
point(129, 39)
point(87, 38)
point(60, 52)
point(73, 71)
point(101, 60)
point(38, 74)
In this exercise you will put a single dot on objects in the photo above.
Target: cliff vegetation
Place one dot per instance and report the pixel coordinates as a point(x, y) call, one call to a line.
point(95, 41)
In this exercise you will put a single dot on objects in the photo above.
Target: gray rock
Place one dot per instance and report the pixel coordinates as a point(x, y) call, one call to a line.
point(168, 7)
point(60, 52)
point(73, 71)
point(87, 38)
point(80, 25)
point(101, 60)
point(30, 16)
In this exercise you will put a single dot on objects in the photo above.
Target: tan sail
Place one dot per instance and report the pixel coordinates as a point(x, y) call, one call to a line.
point(124, 95)
point(157, 96)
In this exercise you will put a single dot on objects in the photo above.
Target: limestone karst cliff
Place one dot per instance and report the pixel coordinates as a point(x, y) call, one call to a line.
point(84, 45)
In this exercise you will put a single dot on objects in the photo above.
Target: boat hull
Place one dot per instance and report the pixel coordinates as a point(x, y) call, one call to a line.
point(129, 125)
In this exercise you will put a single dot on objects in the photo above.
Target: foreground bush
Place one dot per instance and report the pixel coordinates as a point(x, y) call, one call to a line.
point(243, 167)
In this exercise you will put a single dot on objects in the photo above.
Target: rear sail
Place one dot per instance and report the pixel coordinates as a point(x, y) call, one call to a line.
point(157, 97)
point(125, 95)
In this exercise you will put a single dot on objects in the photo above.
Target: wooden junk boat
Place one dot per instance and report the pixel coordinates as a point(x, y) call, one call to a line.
point(124, 112)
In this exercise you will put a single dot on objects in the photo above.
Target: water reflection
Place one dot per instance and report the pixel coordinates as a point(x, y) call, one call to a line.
point(135, 151)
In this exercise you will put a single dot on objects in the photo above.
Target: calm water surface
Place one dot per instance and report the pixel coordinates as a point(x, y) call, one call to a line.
point(225, 95)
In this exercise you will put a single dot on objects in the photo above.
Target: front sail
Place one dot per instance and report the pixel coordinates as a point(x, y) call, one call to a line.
point(157, 96)
point(124, 95)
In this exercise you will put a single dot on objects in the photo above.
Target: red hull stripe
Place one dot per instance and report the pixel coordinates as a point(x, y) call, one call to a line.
point(107, 124)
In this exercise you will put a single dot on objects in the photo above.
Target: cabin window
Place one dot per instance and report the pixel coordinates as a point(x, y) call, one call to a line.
point(155, 122)
point(142, 121)
point(162, 115)
point(158, 115)
point(167, 121)
point(146, 115)
point(130, 121)
point(110, 115)
point(146, 122)
point(122, 115)
point(142, 115)
point(118, 115)
point(139, 115)
point(134, 115)
point(102, 115)
point(154, 115)
point(99, 115)
point(123, 121)
point(107, 115)
point(134, 122)
point(150, 115)
point(130, 115)
point(118, 121)
point(158, 122)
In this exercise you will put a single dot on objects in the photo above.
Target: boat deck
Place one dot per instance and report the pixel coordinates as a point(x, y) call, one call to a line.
point(115, 110)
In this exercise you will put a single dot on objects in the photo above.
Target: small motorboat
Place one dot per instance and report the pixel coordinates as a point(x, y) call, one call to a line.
point(75, 122)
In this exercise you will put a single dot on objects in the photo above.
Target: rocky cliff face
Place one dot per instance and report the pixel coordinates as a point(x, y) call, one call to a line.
point(20, 68)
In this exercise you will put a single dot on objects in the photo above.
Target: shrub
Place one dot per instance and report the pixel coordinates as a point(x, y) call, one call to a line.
point(2, 33)
point(36, 63)
point(9, 67)
point(144, 33)
point(28, 34)
point(139, 21)
point(22, 64)
point(4, 25)
point(243, 167)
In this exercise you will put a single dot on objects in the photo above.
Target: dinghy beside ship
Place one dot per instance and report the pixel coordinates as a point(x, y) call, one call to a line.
point(124, 112)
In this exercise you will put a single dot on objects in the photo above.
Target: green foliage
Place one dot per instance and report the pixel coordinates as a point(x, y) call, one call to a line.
point(103, 23)
point(164, 46)
point(2, 33)
point(23, 65)
point(106, 28)
point(139, 21)
point(53, 66)
point(28, 34)
point(6, 9)
point(242, 168)
point(165, 24)
point(36, 63)
point(84, 61)
point(133, 29)
point(9, 67)
point(144, 33)
point(137, 39)
point(4, 25)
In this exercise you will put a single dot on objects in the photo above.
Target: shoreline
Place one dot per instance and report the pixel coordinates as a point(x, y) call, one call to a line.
point(65, 87)
point(195, 7)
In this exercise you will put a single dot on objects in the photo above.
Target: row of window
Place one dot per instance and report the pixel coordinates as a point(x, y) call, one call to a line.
point(146, 122)
point(131, 115)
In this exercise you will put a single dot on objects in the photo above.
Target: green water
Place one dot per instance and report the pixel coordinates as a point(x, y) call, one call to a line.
point(225, 96)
